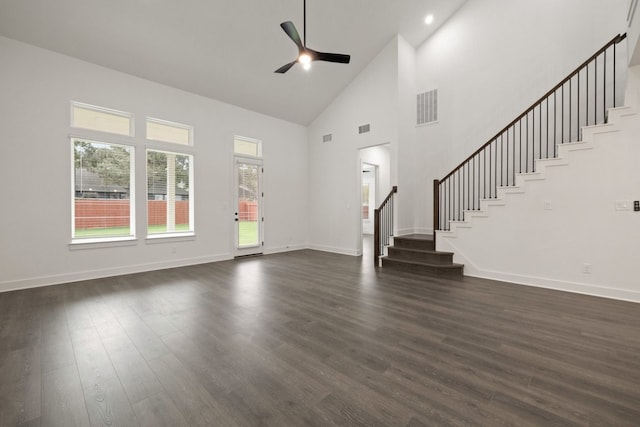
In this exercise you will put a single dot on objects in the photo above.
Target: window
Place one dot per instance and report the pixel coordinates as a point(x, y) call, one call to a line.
point(100, 119)
point(247, 147)
point(169, 193)
point(160, 130)
point(102, 190)
point(365, 201)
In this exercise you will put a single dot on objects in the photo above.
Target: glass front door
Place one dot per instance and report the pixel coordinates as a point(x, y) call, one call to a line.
point(248, 210)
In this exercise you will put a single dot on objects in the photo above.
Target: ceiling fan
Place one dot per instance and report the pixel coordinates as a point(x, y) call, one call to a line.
point(305, 55)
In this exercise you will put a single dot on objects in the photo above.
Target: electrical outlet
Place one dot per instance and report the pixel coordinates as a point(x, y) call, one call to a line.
point(636, 205)
point(548, 206)
point(586, 268)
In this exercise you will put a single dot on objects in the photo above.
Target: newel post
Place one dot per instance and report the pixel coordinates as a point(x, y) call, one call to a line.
point(376, 236)
point(436, 208)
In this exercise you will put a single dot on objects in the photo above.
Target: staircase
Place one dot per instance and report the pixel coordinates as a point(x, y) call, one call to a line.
point(535, 141)
point(530, 142)
point(415, 253)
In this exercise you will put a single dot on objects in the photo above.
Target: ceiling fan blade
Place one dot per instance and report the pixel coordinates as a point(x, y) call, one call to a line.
point(291, 31)
point(331, 57)
point(285, 68)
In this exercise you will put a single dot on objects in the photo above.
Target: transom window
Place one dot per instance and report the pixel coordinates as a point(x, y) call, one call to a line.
point(162, 130)
point(247, 147)
point(100, 119)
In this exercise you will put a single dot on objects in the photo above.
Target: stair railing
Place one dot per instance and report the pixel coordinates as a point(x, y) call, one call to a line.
point(581, 99)
point(383, 226)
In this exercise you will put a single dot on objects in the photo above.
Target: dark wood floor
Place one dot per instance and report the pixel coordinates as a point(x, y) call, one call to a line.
point(310, 338)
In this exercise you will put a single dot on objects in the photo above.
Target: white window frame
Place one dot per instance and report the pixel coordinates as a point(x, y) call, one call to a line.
point(103, 241)
point(173, 234)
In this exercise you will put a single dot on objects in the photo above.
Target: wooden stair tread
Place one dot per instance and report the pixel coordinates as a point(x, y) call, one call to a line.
point(425, 251)
point(415, 237)
point(425, 264)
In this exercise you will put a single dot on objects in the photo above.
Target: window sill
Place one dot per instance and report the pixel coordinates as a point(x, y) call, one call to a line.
point(108, 242)
point(173, 237)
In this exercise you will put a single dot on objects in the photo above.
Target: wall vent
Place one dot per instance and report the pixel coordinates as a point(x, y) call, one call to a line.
point(364, 128)
point(427, 107)
point(328, 137)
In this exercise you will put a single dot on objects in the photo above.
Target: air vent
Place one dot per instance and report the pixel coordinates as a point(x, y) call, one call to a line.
point(364, 128)
point(326, 138)
point(427, 107)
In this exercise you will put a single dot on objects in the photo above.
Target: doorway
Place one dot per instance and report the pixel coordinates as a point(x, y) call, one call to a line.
point(374, 176)
point(248, 217)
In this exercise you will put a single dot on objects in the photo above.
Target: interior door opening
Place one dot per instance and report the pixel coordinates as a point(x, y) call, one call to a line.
point(374, 176)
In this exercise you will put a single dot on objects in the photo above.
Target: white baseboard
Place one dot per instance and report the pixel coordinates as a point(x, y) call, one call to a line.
point(282, 249)
point(415, 230)
point(405, 231)
point(473, 270)
point(559, 285)
point(341, 251)
point(36, 282)
point(424, 230)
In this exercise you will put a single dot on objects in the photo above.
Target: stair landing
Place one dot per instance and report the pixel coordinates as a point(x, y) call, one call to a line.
point(416, 253)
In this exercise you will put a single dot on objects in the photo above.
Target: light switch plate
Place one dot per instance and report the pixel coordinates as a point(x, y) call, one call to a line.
point(623, 205)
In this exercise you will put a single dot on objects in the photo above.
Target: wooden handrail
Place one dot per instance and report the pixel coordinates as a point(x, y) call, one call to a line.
point(394, 189)
point(376, 226)
point(617, 39)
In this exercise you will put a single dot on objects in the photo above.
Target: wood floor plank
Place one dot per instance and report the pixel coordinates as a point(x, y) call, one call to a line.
point(62, 399)
point(159, 411)
point(20, 386)
point(105, 399)
point(197, 406)
point(137, 379)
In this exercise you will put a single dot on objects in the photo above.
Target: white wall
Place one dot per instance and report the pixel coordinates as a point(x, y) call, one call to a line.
point(37, 87)
point(491, 61)
point(546, 235)
point(633, 32)
point(334, 167)
point(409, 190)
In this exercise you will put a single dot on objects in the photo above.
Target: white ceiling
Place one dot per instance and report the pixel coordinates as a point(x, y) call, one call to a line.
point(226, 49)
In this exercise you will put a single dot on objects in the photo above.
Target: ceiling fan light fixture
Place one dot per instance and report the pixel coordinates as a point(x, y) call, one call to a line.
point(304, 59)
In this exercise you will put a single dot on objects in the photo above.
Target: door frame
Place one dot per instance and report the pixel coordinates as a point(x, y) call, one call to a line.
point(360, 161)
point(259, 248)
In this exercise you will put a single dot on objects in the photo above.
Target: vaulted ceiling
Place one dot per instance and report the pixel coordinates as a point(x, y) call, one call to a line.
point(226, 49)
